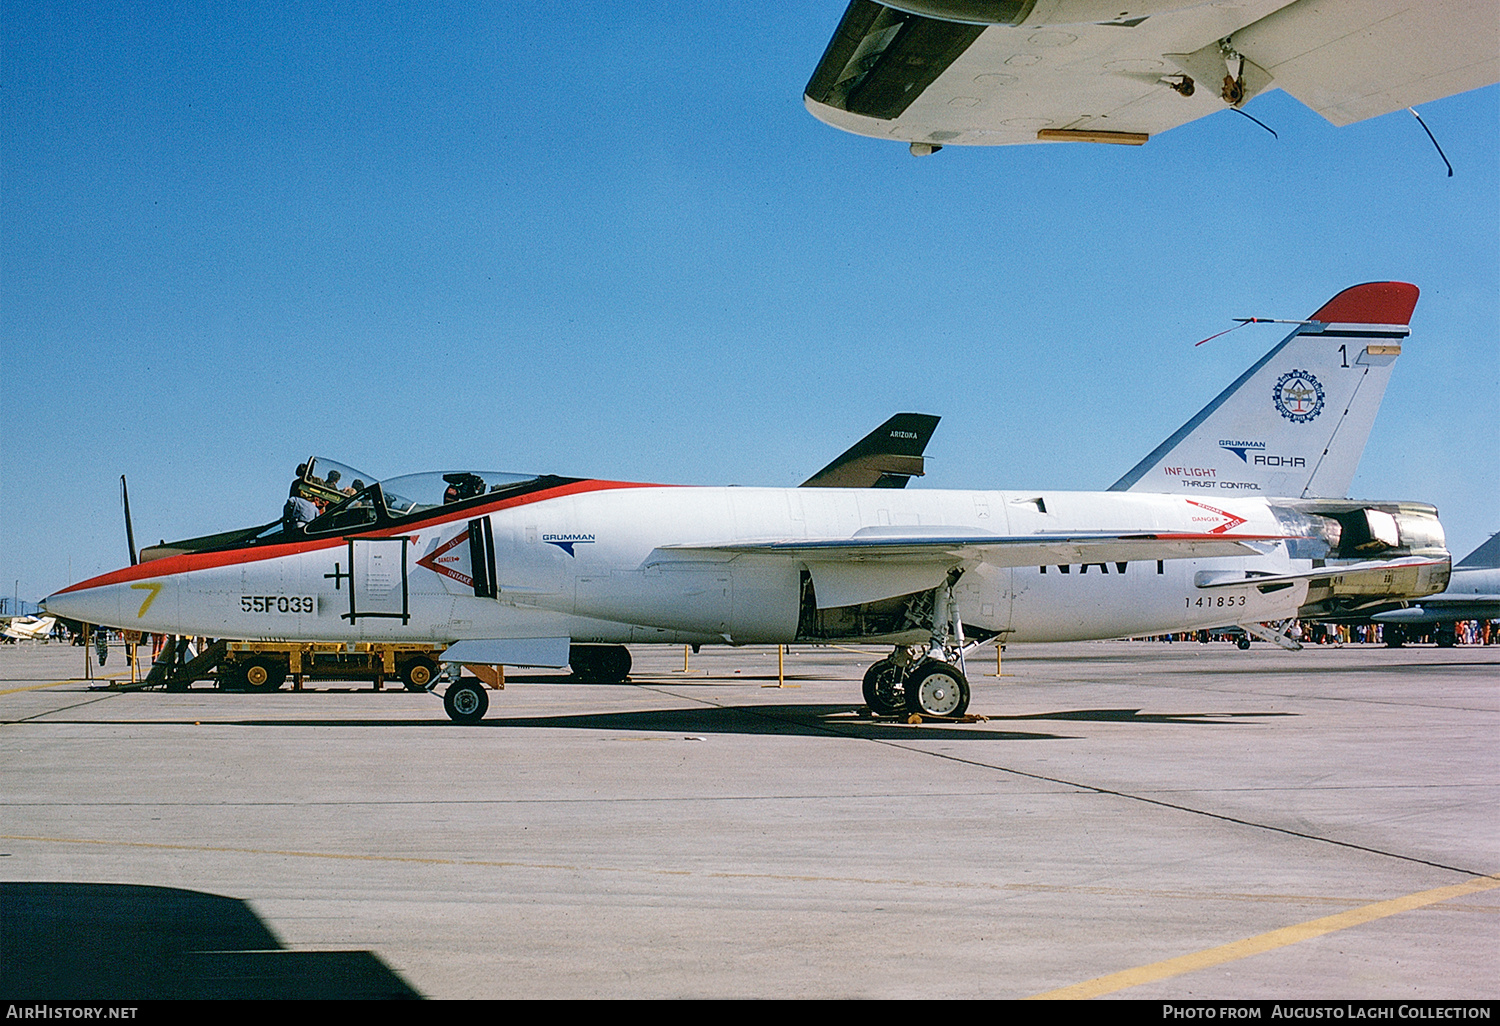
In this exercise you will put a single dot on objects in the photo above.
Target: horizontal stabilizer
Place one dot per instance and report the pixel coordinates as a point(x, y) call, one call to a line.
point(1410, 577)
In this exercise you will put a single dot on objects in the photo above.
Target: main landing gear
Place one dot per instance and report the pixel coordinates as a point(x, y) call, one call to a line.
point(925, 680)
point(465, 701)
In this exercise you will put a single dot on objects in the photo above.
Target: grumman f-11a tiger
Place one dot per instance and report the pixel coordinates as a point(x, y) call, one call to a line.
point(540, 570)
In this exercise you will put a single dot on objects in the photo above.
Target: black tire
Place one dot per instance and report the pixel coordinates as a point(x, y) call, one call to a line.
point(1445, 635)
point(262, 674)
point(1244, 644)
point(418, 674)
point(1394, 635)
point(882, 689)
point(583, 661)
point(937, 689)
point(600, 664)
point(231, 678)
point(465, 701)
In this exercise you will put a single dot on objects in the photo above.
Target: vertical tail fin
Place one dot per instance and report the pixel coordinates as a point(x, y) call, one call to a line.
point(1295, 423)
point(1486, 557)
point(885, 458)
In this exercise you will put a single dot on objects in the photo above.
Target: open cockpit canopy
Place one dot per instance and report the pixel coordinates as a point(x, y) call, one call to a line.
point(414, 494)
point(346, 499)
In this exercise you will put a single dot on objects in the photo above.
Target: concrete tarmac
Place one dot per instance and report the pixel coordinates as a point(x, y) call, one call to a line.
point(1134, 820)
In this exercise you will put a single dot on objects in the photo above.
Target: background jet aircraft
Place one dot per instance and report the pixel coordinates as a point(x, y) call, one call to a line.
point(1473, 593)
point(999, 72)
point(545, 570)
point(887, 457)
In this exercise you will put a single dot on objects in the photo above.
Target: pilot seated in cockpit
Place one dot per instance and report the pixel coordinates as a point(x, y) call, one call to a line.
point(461, 487)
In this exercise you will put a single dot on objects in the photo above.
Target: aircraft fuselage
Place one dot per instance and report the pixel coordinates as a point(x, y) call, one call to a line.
point(606, 562)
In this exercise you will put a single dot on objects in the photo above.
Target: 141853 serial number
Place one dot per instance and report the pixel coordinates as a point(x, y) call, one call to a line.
point(1214, 601)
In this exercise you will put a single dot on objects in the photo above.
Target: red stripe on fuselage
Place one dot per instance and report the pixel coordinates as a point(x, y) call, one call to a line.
point(189, 561)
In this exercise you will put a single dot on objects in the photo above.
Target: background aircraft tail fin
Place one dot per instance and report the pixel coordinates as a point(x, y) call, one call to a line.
point(1295, 423)
point(1486, 557)
point(887, 457)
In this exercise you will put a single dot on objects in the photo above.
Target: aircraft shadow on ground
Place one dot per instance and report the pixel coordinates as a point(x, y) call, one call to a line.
point(783, 720)
point(786, 720)
point(127, 942)
point(824, 719)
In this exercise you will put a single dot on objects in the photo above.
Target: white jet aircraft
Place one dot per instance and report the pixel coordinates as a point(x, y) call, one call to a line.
point(547, 571)
point(936, 73)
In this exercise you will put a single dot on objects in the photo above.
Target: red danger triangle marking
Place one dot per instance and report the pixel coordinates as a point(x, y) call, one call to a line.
point(433, 560)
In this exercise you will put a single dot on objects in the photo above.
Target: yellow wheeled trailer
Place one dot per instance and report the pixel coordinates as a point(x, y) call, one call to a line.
point(265, 665)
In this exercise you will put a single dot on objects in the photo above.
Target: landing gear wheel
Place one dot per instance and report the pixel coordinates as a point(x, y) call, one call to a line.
point(418, 674)
point(466, 702)
point(1395, 636)
point(1444, 635)
point(231, 678)
point(882, 689)
point(937, 689)
point(1244, 644)
point(600, 664)
point(263, 675)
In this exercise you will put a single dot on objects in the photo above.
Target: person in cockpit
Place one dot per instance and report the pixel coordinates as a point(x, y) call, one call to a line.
point(461, 487)
point(298, 510)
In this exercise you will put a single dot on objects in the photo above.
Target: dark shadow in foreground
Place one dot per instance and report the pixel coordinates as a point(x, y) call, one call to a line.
point(124, 942)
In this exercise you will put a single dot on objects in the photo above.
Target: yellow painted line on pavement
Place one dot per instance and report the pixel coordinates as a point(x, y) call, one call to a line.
point(1264, 942)
point(59, 683)
point(1201, 960)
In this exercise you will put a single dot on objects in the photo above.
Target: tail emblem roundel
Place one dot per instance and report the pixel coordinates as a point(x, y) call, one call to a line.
point(1298, 396)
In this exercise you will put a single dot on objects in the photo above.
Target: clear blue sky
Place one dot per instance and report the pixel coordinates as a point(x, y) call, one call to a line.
point(612, 242)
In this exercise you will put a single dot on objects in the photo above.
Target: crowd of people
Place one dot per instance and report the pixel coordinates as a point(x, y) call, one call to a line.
point(1465, 632)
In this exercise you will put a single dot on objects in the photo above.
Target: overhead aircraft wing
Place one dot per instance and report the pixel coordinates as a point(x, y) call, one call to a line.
point(1001, 72)
point(882, 562)
point(887, 457)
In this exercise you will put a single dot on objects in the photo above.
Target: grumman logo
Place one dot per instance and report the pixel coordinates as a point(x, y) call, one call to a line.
point(567, 541)
point(1240, 448)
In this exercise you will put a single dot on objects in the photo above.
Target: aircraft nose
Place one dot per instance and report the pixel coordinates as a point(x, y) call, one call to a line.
point(58, 605)
point(88, 605)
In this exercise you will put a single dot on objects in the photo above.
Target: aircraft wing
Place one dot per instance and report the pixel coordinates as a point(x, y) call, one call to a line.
point(882, 562)
point(1444, 609)
point(929, 73)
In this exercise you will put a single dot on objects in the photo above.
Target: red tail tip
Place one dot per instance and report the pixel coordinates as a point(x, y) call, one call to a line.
point(1375, 302)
